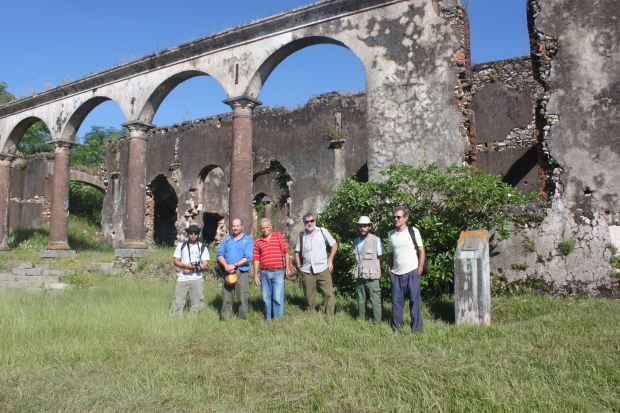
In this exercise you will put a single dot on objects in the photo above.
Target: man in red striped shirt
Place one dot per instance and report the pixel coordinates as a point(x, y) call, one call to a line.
point(271, 256)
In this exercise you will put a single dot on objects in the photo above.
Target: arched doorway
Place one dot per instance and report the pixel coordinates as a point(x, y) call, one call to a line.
point(162, 202)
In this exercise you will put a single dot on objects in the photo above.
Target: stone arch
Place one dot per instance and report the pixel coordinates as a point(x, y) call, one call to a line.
point(161, 211)
point(10, 147)
point(277, 57)
point(70, 130)
point(147, 114)
point(87, 178)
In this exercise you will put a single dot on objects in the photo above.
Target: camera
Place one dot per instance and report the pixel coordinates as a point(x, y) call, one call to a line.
point(196, 266)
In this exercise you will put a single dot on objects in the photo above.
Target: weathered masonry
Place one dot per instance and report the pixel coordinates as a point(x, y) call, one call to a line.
point(546, 123)
point(414, 54)
point(551, 126)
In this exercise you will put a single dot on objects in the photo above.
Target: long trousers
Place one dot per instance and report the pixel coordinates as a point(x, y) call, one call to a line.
point(242, 289)
point(368, 289)
point(196, 297)
point(322, 281)
point(406, 286)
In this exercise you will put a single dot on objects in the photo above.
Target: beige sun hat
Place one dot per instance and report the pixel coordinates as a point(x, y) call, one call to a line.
point(364, 220)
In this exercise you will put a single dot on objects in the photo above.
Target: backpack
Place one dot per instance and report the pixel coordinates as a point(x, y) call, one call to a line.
point(219, 269)
point(301, 244)
point(417, 250)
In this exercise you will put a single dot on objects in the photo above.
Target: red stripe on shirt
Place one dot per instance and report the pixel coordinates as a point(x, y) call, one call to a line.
point(269, 253)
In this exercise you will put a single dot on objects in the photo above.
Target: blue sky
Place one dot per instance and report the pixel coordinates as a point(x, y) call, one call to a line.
point(47, 42)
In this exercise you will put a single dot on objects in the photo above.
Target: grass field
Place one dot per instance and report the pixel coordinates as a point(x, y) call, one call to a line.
point(115, 348)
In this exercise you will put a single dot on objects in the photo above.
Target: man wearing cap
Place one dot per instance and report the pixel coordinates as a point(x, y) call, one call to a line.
point(368, 254)
point(271, 257)
point(315, 266)
point(234, 256)
point(405, 269)
point(192, 258)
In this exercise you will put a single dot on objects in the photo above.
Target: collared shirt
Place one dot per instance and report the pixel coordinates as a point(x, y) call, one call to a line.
point(314, 255)
point(405, 257)
point(234, 250)
point(269, 253)
point(187, 255)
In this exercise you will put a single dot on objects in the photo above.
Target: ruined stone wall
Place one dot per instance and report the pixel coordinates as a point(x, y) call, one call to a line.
point(31, 191)
point(299, 156)
point(31, 188)
point(576, 59)
point(547, 125)
point(505, 96)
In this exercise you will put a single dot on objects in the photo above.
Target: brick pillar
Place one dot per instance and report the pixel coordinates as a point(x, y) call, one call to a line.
point(241, 165)
point(59, 216)
point(135, 192)
point(5, 190)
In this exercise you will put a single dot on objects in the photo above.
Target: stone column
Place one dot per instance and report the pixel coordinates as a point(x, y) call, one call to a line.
point(241, 165)
point(268, 204)
point(135, 190)
point(59, 214)
point(5, 191)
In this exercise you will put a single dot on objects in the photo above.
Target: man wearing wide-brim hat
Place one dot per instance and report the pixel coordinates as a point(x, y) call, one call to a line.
point(192, 257)
point(368, 254)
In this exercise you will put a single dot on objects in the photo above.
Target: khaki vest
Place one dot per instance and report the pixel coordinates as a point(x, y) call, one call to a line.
point(367, 264)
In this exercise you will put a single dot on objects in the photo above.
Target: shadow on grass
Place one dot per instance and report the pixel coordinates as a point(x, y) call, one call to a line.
point(441, 308)
point(38, 239)
point(386, 313)
point(295, 300)
point(20, 236)
point(255, 304)
point(85, 243)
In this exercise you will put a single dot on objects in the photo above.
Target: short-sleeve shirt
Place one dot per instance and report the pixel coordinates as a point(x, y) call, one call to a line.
point(360, 246)
point(401, 246)
point(189, 255)
point(269, 253)
point(234, 250)
point(314, 255)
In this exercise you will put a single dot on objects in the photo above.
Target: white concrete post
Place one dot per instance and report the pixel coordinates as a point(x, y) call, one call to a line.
point(472, 281)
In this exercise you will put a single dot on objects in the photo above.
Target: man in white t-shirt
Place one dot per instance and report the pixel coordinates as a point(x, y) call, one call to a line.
point(405, 268)
point(192, 257)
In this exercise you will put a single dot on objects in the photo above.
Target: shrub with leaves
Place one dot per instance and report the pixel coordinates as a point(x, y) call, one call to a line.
point(441, 203)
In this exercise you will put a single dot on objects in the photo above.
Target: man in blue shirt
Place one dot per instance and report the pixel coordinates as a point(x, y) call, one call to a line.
point(235, 255)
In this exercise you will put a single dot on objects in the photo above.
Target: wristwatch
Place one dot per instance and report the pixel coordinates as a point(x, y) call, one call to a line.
point(236, 266)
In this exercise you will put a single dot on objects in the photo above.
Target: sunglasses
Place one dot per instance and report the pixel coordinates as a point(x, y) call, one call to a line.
point(192, 233)
point(310, 221)
point(397, 217)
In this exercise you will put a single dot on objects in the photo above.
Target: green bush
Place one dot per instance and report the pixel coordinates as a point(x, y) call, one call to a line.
point(441, 203)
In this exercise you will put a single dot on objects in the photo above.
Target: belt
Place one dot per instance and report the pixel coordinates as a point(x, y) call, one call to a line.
point(272, 269)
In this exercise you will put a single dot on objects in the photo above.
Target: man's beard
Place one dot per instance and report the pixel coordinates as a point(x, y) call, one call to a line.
point(310, 228)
